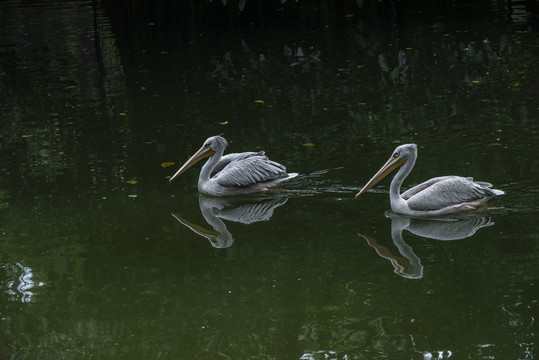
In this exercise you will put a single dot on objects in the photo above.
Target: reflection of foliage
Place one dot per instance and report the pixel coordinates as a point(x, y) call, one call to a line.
point(479, 67)
point(398, 81)
point(111, 292)
point(342, 335)
point(61, 81)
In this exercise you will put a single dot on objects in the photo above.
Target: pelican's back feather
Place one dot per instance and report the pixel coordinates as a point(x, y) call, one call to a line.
point(228, 158)
point(251, 170)
point(446, 191)
point(420, 187)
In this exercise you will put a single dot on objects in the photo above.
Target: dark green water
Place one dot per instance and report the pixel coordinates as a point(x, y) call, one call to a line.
point(102, 258)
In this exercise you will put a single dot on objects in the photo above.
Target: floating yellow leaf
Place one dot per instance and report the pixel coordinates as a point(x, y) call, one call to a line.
point(259, 101)
point(70, 87)
point(132, 196)
point(132, 182)
point(475, 81)
point(360, 66)
point(349, 15)
point(308, 144)
point(167, 164)
point(408, 48)
point(223, 122)
point(148, 142)
point(123, 114)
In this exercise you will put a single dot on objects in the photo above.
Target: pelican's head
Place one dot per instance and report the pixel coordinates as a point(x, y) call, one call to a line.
point(401, 155)
point(215, 143)
point(212, 145)
point(406, 151)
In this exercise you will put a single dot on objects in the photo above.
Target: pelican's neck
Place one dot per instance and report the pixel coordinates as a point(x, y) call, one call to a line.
point(205, 173)
point(395, 187)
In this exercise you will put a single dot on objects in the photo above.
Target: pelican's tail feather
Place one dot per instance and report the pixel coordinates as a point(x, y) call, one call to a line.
point(482, 183)
point(488, 185)
point(292, 175)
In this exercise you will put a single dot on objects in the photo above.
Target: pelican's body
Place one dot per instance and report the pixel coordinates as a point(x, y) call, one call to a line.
point(437, 196)
point(235, 174)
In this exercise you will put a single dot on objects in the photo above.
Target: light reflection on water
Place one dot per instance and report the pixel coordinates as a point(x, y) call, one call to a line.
point(447, 228)
point(94, 265)
point(22, 287)
point(246, 210)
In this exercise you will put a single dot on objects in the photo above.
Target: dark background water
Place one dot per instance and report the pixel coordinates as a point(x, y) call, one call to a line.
point(102, 258)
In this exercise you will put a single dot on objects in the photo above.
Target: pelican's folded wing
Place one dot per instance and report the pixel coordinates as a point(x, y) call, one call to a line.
point(228, 158)
point(420, 187)
point(252, 170)
point(449, 191)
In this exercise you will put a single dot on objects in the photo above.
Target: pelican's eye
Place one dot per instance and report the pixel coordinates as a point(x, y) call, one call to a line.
point(396, 155)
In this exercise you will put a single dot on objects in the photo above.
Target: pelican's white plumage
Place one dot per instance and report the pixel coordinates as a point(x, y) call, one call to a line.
point(235, 174)
point(437, 196)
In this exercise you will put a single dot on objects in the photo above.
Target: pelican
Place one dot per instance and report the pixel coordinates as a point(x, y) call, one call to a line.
point(437, 196)
point(237, 173)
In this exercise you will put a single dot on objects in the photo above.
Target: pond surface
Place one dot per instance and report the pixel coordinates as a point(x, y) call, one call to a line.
point(102, 258)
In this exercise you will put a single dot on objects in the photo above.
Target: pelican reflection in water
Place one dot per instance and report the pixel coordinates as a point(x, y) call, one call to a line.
point(409, 264)
point(235, 174)
point(243, 210)
point(437, 196)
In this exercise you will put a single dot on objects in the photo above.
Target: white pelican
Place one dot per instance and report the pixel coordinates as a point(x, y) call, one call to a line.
point(236, 174)
point(437, 196)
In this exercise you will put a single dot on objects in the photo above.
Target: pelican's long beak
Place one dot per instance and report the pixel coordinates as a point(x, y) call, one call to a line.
point(202, 153)
point(389, 166)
